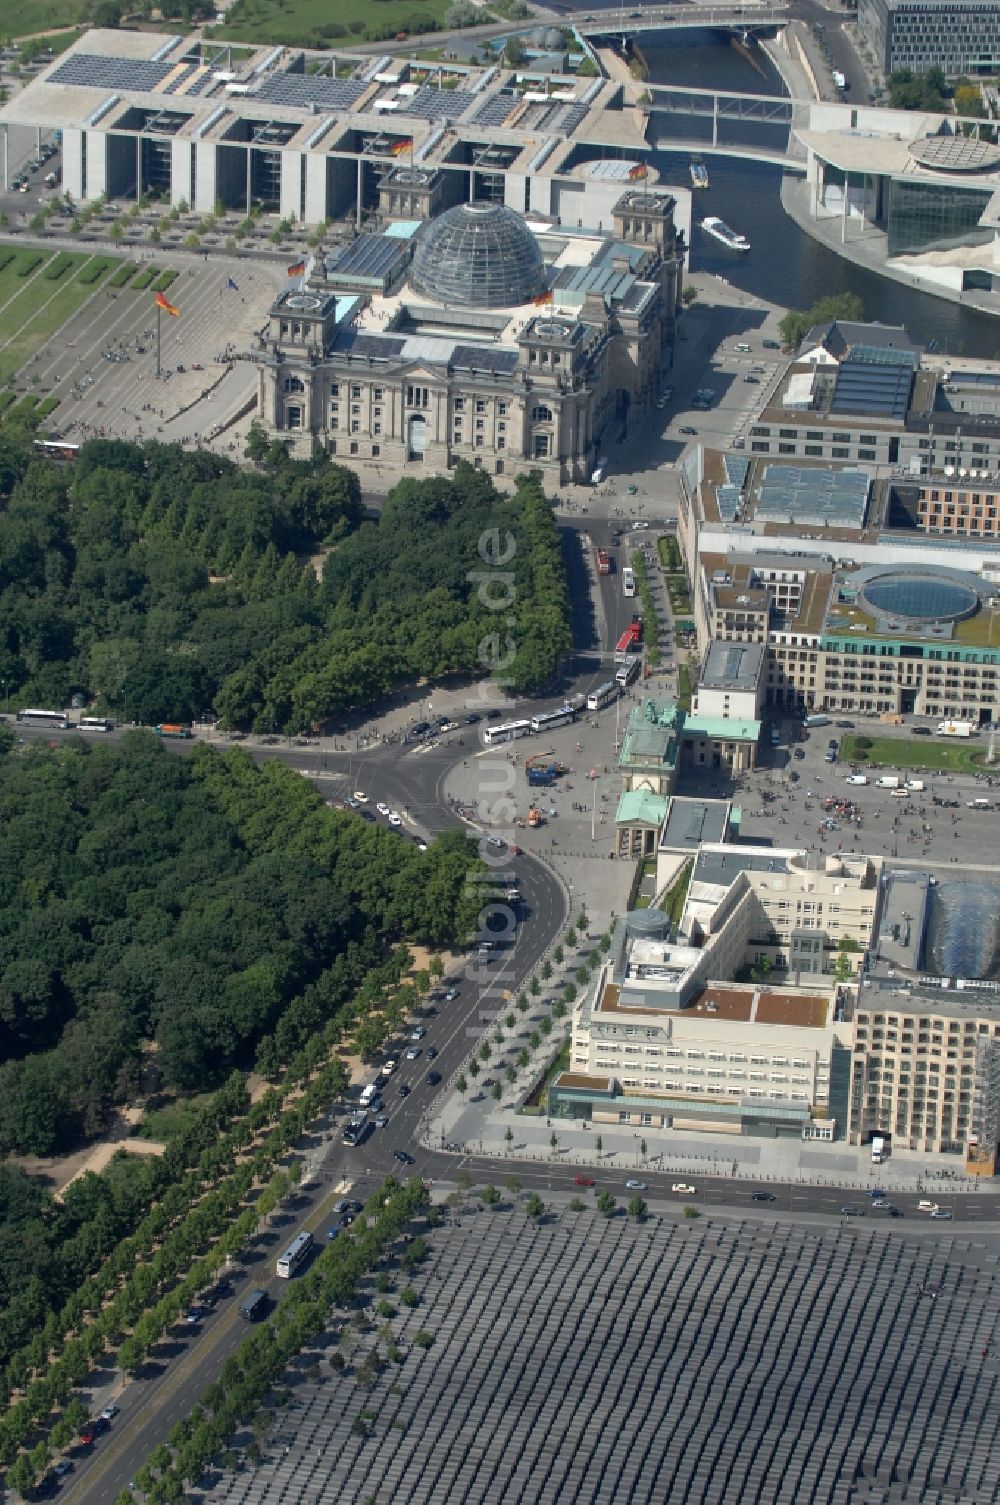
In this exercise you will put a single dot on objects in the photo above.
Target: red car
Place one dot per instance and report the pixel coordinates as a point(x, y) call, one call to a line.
point(87, 1437)
point(583, 1180)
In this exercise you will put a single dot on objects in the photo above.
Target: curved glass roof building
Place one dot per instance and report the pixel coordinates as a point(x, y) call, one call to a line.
point(478, 256)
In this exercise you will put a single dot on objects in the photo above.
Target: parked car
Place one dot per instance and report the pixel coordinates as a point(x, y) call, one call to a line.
point(110, 1411)
point(771, 344)
point(417, 1032)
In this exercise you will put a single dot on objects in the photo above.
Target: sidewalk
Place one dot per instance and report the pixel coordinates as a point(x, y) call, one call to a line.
point(480, 1128)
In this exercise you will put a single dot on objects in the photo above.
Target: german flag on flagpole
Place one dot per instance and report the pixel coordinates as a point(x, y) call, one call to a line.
point(297, 269)
point(166, 305)
point(638, 171)
point(399, 147)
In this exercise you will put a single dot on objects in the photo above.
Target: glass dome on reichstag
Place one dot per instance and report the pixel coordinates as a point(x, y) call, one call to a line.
point(478, 256)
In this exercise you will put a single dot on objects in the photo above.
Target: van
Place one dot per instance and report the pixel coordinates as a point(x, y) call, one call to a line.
point(857, 778)
point(253, 1305)
point(818, 720)
point(743, 348)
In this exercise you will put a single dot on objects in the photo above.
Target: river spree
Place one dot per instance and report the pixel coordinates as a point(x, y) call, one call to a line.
point(785, 265)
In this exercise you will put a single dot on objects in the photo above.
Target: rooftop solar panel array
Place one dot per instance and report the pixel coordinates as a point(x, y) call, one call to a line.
point(789, 493)
point(866, 387)
point(494, 111)
point(433, 104)
point(182, 78)
point(200, 84)
point(299, 92)
point(87, 70)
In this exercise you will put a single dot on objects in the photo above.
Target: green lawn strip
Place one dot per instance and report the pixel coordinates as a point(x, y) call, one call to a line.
point(124, 274)
point(20, 20)
point(30, 263)
point(36, 323)
point(11, 277)
point(305, 22)
point(46, 406)
point(6, 398)
point(164, 280)
point(914, 752)
point(145, 279)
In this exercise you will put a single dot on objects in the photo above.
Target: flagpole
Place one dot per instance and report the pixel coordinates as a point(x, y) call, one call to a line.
point(158, 313)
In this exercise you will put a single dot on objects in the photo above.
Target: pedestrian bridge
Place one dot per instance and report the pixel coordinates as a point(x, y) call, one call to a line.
point(744, 19)
point(776, 114)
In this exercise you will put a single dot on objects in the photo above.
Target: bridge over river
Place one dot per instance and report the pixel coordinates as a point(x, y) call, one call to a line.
point(776, 114)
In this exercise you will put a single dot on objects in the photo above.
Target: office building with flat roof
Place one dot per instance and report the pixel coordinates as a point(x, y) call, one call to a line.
point(961, 37)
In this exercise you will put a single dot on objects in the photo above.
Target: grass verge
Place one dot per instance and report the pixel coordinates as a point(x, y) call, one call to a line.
point(914, 752)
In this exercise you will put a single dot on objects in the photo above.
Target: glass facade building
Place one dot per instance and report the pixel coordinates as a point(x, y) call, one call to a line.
point(933, 217)
point(960, 36)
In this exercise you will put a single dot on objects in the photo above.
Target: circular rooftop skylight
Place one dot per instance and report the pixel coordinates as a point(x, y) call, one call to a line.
point(920, 597)
point(947, 153)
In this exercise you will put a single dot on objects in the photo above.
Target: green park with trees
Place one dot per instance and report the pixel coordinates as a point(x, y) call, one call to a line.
point(157, 584)
point(189, 908)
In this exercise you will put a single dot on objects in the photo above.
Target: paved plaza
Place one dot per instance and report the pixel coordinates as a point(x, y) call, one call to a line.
point(600, 1362)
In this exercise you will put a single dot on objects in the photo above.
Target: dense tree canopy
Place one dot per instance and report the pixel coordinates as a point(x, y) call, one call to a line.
point(188, 902)
point(918, 91)
point(159, 583)
point(797, 322)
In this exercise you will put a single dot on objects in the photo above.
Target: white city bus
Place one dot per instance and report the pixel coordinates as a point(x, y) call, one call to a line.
point(629, 671)
point(628, 580)
point(507, 731)
point(547, 721)
point(602, 696)
point(57, 719)
point(295, 1255)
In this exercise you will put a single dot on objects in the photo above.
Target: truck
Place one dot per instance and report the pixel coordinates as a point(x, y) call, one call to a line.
point(955, 729)
point(820, 719)
point(915, 786)
point(542, 778)
point(889, 781)
point(173, 729)
point(253, 1305)
point(878, 1149)
point(630, 641)
point(603, 559)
